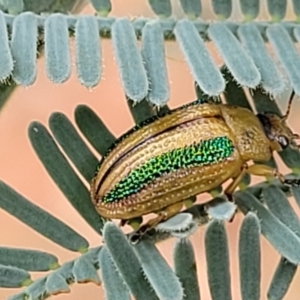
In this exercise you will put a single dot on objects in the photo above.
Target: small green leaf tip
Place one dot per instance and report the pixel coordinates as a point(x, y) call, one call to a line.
point(29, 260)
point(83, 250)
point(27, 282)
point(216, 192)
point(54, 266)
point(12, 277)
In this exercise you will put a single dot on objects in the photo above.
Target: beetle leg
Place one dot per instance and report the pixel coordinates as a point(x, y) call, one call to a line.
point(235, 182)
point(263, 170)
point(233, 185)
point(163, 215)
point(122, 223)
point(189, 202)
point(133, 223)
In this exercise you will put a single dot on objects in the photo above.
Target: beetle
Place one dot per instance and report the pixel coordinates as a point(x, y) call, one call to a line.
point(158, 164)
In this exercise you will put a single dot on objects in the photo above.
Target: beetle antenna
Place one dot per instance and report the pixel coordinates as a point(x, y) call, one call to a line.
point(284, 118)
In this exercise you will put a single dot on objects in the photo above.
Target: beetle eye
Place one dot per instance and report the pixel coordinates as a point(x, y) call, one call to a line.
point(283, 141)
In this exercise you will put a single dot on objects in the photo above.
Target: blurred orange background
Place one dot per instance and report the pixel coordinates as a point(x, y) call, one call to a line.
point(20, 168)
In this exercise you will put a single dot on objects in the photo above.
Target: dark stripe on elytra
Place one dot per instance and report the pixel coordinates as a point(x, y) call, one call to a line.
point(139, 144)
point(205, 153)
point(145, 123)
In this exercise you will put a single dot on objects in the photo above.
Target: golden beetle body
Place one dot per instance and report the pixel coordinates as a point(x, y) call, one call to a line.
point(191, 150)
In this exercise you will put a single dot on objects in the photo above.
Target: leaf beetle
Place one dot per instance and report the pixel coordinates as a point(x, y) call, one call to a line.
point(158, 164)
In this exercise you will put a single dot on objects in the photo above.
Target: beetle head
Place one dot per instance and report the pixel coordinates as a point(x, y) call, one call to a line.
point(276, 129)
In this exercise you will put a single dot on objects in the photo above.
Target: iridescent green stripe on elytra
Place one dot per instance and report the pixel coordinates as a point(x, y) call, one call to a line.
point(148, 122)
point(205, 153)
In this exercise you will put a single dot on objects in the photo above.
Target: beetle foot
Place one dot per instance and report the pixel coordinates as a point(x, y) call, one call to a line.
point(292, 182)
point(232, 218)
point(162, 216)
point(134, 239)
point(137, 236)
point(122, 223)
point(229, 197)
